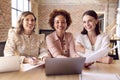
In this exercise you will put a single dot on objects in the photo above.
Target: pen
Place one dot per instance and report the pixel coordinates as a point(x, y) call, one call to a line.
point(33, 60)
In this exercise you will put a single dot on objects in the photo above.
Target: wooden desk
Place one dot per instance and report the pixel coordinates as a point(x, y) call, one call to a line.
point(105, 68)
point(39, 73)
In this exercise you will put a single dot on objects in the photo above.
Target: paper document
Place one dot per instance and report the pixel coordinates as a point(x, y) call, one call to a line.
point(26, 67)
point(98, 54)
point(99, 76)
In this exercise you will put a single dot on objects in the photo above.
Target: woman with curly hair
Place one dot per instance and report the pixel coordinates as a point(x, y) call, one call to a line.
point(60, 43)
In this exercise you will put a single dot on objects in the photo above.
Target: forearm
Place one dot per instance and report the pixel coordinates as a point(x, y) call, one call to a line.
point(44, 53)
point(80, 49)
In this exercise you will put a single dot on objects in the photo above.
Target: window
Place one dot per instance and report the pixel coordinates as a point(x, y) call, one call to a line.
point(18, 6)
point(101, 22)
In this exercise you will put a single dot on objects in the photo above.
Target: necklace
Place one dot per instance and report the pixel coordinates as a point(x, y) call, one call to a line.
point(64, 47)
point(92, 47)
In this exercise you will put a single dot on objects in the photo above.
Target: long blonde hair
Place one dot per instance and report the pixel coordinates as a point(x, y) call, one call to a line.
point(19, 25)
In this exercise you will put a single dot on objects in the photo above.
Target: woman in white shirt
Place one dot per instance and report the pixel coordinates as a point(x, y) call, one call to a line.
point(91, 39)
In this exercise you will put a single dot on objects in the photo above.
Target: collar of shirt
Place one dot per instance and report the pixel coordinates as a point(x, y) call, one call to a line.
point(28, 36)
point(56, 37)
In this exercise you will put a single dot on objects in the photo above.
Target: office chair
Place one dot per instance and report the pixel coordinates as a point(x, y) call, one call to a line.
point(2, 45)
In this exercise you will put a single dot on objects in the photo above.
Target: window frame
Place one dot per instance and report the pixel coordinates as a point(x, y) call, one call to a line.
point(16, 11)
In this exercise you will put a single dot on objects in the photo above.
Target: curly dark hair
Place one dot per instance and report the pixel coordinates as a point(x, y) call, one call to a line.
point(93, 14)
point(55, 13)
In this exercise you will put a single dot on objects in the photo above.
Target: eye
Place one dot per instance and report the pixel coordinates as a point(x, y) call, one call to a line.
point(26, 19)
point(90, 20)
point(32, 20)
point(57, 22)
point(84, 21)
point(63, 22)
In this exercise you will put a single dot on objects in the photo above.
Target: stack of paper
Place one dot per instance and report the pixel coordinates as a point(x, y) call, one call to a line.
point(99, 76)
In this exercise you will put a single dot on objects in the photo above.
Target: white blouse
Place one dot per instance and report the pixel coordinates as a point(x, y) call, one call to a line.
point(102, 42)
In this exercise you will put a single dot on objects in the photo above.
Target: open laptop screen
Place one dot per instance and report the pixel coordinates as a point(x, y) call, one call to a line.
point(61, 66)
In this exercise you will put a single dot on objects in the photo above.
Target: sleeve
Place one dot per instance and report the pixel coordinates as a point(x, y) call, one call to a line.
point(10, 44)
point(71, 42)
point(78, 39)
point(105, 45)
point(44, 53)
point(103, 50)
point(106, 41)
point(53, 47)
point(82, 40)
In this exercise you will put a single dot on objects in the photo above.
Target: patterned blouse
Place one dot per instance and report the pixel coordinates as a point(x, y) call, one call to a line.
point(24, 45)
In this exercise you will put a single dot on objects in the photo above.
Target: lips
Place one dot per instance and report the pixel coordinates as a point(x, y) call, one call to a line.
point(60, 28)
point(30, 26)
point(88, 27)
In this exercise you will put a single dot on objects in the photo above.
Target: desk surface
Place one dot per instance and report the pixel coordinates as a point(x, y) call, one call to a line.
point(39, 73)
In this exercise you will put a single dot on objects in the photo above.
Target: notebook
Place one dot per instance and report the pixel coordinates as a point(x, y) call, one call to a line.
point(99, 76)
point(26, 67)
point(64, 66)
point(9, 63)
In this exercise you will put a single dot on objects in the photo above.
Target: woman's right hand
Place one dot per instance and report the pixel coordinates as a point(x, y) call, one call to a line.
point(30, 60)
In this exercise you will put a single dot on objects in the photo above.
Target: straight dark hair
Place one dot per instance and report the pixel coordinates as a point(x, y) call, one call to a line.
point(93, 14)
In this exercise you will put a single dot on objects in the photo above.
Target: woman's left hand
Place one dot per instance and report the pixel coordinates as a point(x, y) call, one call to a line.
point(106, 59)
point(87, 65)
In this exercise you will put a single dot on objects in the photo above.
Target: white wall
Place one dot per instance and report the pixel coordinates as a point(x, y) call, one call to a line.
point(118, 26)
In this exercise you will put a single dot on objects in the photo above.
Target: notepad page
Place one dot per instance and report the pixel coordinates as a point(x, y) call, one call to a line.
point(26, 67)
point(99, 76)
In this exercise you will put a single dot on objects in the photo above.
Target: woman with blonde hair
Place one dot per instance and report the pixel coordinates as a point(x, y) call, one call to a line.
point(24, 42)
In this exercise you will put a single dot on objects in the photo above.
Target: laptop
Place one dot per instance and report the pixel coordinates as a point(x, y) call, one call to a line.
point(64, 66)
point(9, 63)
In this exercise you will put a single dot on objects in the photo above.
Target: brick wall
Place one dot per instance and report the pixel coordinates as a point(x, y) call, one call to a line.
point(5, 18)
point(76, 11)
point(43, 10)
point(34, 9)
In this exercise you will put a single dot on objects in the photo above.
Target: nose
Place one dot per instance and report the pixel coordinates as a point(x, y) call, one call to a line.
point(87, 23)
point(60, 23)
point(30, 21)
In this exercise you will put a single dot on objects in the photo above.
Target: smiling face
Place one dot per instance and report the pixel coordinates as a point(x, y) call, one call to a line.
point(60, 24)
point(29, 23)
point(89, 23)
